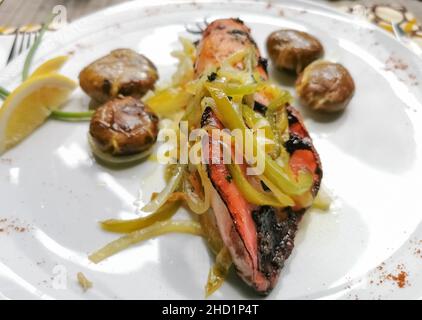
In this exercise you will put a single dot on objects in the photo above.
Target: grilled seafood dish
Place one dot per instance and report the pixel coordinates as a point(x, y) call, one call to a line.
point(259, 238)
point(121, 72)
point(248, 219)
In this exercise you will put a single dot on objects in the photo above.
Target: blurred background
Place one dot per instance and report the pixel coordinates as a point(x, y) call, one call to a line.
point(20, 12)
point(26, 16)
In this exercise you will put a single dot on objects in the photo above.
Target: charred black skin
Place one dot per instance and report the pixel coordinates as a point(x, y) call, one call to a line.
point(259, 107)
point(275, 232)
point(297, 143)
point(206, 119)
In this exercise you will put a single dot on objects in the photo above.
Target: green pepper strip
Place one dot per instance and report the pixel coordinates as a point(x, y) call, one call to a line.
point(253, 118)
point(254, 196)
point(284, 182)
point(231, 120)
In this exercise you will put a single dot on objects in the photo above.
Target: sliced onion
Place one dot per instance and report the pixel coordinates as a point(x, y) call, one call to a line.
point(218, 271)
point(157, 229)
point(163, 196)
point(193, 200)
point(168, 101)
point(116, 160)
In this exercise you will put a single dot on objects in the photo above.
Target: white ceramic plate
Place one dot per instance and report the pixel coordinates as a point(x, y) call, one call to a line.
point(51, 186)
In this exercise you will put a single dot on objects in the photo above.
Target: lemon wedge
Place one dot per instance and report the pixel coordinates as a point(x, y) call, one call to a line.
point(51, 66)
point(30, 104)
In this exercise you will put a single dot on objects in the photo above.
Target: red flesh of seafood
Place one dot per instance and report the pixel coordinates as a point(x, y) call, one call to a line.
point(259, 239)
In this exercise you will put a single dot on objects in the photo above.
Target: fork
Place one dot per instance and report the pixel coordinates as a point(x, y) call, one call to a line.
point(405, 39)
point(22, 41)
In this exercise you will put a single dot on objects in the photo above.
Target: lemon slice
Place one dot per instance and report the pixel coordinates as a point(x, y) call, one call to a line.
point(50, 66)
point(29, 105)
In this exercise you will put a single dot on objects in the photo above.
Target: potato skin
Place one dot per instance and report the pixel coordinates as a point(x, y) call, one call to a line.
point(293, 50)
point(325, 86)
point(121, 72)
point(124, 126)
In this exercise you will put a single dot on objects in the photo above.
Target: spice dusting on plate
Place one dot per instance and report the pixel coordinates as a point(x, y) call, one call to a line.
point(400, 279)
point(14, 225)
point(402, 70)
point(399, 276)
point(394, 63)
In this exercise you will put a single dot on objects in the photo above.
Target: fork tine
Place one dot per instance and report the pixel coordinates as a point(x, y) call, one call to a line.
point(14, 45)
point(37, 33)
point(29, 40)
point(22, 44)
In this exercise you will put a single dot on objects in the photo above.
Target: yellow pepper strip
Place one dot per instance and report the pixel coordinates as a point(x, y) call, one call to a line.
point(206, 183)
point(218, 272)
point(284, 181)
point(236, 89)
point(193, 113)
point(278, 121)
point(232, 74)
point(251, 194)
point(83, 281)
point(224, 109)
point(281, 100)
point(235, 58)
point(255, 120)
point(281, 197)
point(126, 226)
point(168, 101)
point(279, 124)
point(157, 229)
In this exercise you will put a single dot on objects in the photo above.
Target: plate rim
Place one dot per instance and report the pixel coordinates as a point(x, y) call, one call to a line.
point(163, 2)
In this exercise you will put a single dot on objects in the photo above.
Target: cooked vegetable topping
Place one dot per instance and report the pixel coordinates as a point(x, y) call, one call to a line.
point(230, 91)
point(155, 230)
point(218, 271)
point(83, 281)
